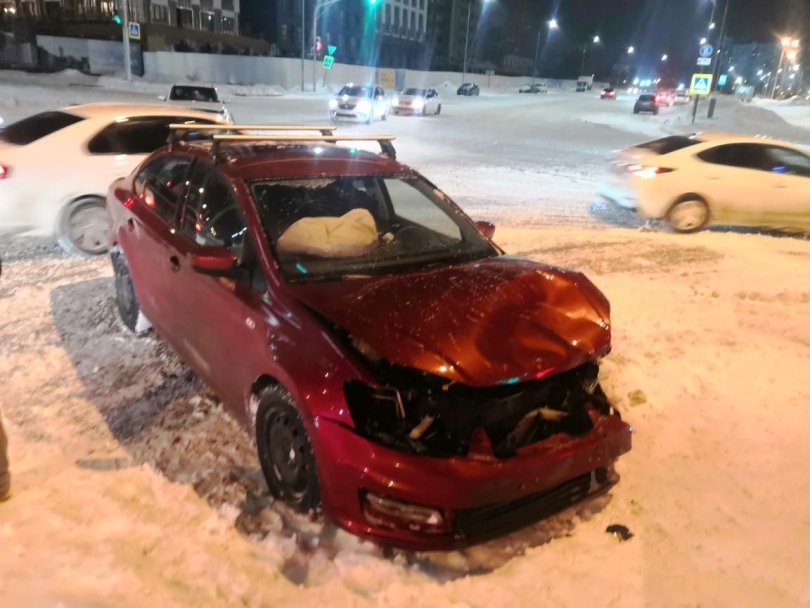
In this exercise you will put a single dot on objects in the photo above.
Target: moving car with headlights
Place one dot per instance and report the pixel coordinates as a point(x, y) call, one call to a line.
point(417, 101)
point(608, 93)
point(646, 103)
point(693, 181)
point(396, 367)
point(55, 166)
point(197, 97)
point(469, 89)
point(534, 88)
point(365, 103)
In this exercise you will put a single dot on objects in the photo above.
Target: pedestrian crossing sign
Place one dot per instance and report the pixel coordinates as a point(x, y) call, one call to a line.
point(701, 84)
point(328, 62)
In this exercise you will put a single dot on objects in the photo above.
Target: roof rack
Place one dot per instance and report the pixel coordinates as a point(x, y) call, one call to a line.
point(325, 134)
point(176, 128)
point(384, 141)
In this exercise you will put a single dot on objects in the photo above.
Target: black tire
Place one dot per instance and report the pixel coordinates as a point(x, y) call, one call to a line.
point(689, 213)
point(83, 229)
point(285, 451)
point(128, 306)
point(635, 111)
point(438, 109)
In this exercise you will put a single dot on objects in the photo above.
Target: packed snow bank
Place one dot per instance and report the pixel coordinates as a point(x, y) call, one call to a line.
point(795, 111)
point(131, 481)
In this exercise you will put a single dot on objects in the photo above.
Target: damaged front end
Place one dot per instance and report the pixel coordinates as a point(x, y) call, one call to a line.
point(424, 414)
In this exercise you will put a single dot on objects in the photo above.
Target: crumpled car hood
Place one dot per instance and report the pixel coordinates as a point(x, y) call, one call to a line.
point(496, 321)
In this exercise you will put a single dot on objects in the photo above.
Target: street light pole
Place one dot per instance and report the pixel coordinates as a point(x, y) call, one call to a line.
point(321, 6)
point(536, 53)
point(466, 41)
point(303, 40)
point(125, 31)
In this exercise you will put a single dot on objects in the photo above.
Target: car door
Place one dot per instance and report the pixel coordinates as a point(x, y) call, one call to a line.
point(790, 176)
point(150, 236)
point(216, 323)
point(734, 180)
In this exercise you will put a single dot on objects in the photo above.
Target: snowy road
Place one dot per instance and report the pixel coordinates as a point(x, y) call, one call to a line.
point(132, 487)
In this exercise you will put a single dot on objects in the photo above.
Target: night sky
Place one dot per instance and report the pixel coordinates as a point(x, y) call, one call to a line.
point(653, 27)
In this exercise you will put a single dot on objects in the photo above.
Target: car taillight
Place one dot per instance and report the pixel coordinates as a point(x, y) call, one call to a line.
point(4, 170)
point(645, 172)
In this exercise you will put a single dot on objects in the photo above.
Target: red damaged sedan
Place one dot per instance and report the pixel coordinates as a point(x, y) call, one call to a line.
point(397, 369)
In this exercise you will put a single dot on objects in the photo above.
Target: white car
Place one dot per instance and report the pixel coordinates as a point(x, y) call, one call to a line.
point(56, 166)
point(357, 102)
point(417, 101)
point(197, 97)
point(693, 181)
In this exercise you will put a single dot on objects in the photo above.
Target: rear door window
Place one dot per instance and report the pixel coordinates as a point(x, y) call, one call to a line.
point(139, 135)
point(190, 93)
point(162, 184)
point(29, 130)
point(744, 156)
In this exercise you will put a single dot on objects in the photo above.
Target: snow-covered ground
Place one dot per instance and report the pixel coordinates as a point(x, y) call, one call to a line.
point(133, 487)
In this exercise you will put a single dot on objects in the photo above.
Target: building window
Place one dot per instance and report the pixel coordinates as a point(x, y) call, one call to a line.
point(207, 21)
point(284, 31)
point(228, 24)
point(185, 18)
point(227, 5)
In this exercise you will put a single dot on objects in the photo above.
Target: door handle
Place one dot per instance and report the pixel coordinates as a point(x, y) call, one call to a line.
point(174, 262)
point(131, 225)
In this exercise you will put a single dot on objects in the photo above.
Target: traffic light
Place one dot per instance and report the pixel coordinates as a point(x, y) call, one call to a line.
point(318, 45)
point(116, 17)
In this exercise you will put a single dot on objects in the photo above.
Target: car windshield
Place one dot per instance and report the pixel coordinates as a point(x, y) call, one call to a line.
point(608, 90)
point(29, 130)
point(186, 93)
point(353, 91)
point(415, 92)
point(327, 228)
point(665, 145)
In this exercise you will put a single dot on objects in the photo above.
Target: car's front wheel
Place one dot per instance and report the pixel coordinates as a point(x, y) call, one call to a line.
point(83, 228)
point(438, 109)
point(689, 213)
point(285, 451)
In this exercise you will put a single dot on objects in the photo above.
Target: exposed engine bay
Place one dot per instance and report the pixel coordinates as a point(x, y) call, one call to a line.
point(425, 414)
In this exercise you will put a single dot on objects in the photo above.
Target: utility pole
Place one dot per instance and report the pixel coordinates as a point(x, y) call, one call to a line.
point(584, 51)
point(536, 53)
point(125, 32)
point(466, 42)
point(721, 41)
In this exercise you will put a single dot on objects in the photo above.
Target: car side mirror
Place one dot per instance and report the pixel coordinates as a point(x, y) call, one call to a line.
point(213, 260)
point(486, 228)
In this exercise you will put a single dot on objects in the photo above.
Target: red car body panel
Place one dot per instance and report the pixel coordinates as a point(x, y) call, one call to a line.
point(493, 320)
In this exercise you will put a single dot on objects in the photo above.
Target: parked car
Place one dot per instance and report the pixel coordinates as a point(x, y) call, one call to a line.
point(197, 97)
point(682, 96)
point(417, 101)
point(582, 86)
point(665, 98)
point(279, 273)
point(536, 87)
point(646, 103)
point(55, 166)
point(714, 178)
point(608, 93)
point(469, 89)
point(365, 103)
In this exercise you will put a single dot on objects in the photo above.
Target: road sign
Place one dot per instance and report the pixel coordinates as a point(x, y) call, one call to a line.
point(701, 84)
point(328, 62)
point(704, 61)
point(706, 50)
point(331, 48)
point(134, 30)
point(721, 82)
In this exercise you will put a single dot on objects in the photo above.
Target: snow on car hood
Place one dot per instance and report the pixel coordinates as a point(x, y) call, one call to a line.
point(495, 321)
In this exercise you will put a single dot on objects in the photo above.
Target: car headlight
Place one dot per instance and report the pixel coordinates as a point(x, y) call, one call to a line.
point(395, 101)
point(418, 103)
point(333, 104)
point(363, 106)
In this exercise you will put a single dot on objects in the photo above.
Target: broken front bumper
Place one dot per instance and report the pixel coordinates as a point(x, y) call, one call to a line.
point(476, 498)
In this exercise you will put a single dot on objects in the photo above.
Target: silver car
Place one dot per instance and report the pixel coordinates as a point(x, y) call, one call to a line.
point(365, 103)
point(417, 101)
point(197, 97)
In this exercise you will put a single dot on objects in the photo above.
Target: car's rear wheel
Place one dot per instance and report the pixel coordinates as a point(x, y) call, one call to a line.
point(128, 306)
point(285, 451)
point(438, 109)
point(83, 227)
point(689, 213)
